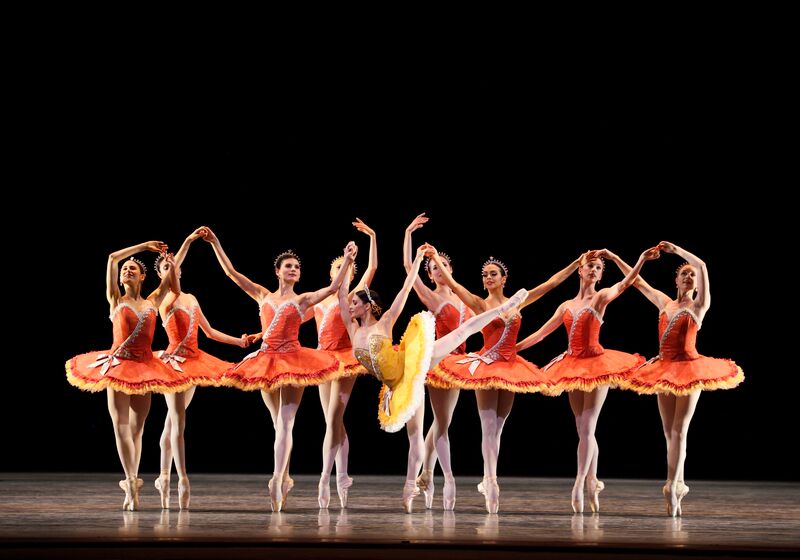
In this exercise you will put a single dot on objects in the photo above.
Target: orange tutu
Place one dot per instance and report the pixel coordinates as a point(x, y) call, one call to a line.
point(348, 362)
point(517, 375)
point(133, 377)
point(495, 366)
point(684, 376)
point(268, 371)
point(199, 368)
point(586, 373)
point(129, 366)
point(679, 369)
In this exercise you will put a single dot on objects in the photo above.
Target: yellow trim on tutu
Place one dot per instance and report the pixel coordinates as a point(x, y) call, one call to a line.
point(441, 379)
point(111, 383)
point(668, 388)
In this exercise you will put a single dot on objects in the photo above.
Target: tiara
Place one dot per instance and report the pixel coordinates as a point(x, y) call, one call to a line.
point(683, 264)
point(495, 262)
point(140, 263)
point(341, 258)
point(376, 309)
point(286, 254)
point(443, 255)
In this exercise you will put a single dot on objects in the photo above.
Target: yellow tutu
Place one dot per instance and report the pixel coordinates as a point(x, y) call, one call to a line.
point(401, 369)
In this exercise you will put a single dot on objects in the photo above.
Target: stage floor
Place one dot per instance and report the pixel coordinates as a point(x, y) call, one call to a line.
point(79, 515)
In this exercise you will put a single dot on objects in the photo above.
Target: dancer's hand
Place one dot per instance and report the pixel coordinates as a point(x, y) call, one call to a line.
point(417, 223)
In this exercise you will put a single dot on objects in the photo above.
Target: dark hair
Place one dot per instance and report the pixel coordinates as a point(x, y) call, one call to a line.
point(376, 305)
point(286, 255)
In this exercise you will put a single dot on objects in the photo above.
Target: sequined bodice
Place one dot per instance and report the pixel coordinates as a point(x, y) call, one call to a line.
point(331, 332)
point(500, 338)
point(281, 326)
point(678, 335)
point(583, 329)
point(449, 318)
point(380, 359)
point(181, 325)
point(133, 332)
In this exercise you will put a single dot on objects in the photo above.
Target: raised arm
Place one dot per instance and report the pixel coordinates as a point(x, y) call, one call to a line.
point(551, 325)
point(400, 301)
point(181, 254)
point(475, 303)
point(171, 281)
point(344, 307)
point(551, 283)
point(307, 299)
point(656, 297)
point(255, 291)
point(112, 269)
point(607, 295)
point(703, 300)
point(372, 266)
point(424, 292)
point(219, 336)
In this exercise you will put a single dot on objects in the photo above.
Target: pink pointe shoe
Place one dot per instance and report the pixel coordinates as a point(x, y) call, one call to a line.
point(425, 483)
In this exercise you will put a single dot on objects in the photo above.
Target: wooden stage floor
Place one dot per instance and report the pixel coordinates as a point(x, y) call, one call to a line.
point(78, 515)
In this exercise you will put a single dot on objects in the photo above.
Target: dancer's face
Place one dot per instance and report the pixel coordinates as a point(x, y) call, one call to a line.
point(163, 269)
point(493, 277)
point(336, 266)
point(591, 270)
point(358, 308)
point(289, 270)
point(130, 273)
point(435, 274)
point(686, 279)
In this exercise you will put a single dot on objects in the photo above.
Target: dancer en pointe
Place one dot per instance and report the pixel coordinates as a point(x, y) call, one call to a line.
point(182, 317)
point(679, 373)
point(450, 313)
point(586, 370)
point(281, 368)
point(334, 395)
point(495, 372)
point(129, 371)
point(402, 370)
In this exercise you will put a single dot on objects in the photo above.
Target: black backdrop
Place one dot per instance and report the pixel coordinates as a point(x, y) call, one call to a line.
point(533, 177)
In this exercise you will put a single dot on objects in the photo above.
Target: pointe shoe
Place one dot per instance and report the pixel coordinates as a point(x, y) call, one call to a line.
point(184, 492)
point(681, 490)
point(343, 482)
point(577, 498)
point(492, 494)
point(162, 485)
point(482, 487)
point(593, 488)
point(136, 488)
point(324, 491)
point(410, 491)
point(449, 493)
point(276, 498)
point(425, 483)
point(671, 499)
point(127, 486)
point(286, 486)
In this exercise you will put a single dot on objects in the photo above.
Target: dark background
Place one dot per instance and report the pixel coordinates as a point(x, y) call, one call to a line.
point(533, 166)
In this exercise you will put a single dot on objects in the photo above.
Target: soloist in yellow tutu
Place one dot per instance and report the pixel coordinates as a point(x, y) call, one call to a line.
point(401, 369)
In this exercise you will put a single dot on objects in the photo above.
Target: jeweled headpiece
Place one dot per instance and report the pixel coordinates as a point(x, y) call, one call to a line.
point(140, 263)
point(495, 262)
point(683, 265)
point(341, 259)
point(289, 254)
point(376, 309)
point(445, 256)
